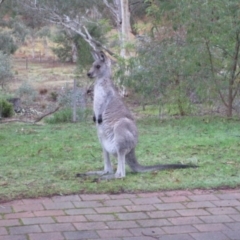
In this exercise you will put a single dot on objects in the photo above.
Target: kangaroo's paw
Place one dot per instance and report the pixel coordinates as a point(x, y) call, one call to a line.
point(108, 177)
point(99, 119)
point(93, 173)
point(111, 176)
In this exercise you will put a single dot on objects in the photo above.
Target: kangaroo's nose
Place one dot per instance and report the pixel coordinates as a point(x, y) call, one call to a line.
point(89, 74)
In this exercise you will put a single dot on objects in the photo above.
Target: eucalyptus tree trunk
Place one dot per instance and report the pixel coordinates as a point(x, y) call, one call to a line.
point(125, 35)
point(125, 26)
point(233, 81)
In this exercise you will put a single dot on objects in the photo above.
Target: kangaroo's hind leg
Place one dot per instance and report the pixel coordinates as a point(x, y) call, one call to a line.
point(108, 170)
point(107, 163)
point(121, 172)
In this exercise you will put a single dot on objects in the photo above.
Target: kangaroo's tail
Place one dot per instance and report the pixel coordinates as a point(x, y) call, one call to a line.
point(132, 162)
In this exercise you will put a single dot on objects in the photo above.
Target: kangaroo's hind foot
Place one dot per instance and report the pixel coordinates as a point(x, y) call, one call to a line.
point(94, 173)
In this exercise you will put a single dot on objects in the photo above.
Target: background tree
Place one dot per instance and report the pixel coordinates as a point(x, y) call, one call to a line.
point(194, 45)
point(5, 69)
point(71, 47)
point(7, 46)
point(77, 15)
point(80, 16)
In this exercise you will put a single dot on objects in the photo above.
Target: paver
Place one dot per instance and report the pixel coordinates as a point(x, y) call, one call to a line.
point(234, 235)
point(216, 227)
point(65, 219)
point(209, 236)
point(46, 236)
point(222, 210)
point(114, 233)
point(90, 225)
point(37, 220)
point(110, 209)
point(165, 215)
point(185, 220)
point(153, 232)
point(11, 222)
point(140, 208)
point(3, 231)
point(132, 216)
point(122, 224)
point(216, 219)
point(76, 235)
point(57, 227)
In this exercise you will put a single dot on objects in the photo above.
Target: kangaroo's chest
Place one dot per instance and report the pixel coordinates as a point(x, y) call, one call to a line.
point(103, 96)
point(99, 98)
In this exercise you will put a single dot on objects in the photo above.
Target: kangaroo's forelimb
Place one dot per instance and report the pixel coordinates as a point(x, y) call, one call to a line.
point(98, 119)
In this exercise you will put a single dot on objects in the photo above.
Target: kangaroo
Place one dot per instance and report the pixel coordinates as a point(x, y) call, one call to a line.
point(116, 127)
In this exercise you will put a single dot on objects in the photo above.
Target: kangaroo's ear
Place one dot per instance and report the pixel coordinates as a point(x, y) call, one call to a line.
point(99, 56)
point(102, 56)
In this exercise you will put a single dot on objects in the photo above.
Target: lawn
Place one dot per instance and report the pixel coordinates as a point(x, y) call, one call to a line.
point(42, 160)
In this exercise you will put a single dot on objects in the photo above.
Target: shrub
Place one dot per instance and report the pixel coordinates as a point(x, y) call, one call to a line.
point(6, 109)
point(27, 93)
point(5, 69)
point(54, 96)
point(25, 89)
point(65, 116)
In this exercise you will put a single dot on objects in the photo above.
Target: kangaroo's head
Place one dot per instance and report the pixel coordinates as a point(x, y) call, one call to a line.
point(101, 66)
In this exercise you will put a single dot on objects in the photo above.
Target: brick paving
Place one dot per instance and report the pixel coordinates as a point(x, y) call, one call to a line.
point(166, 215)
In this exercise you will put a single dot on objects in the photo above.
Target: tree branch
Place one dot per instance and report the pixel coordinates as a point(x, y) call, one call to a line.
point(31, 122)
point(234, 67)
point(213, 73)
point(47, 114)
point(224, 50)
point(115, 11)
point(75, 25)
point(87, 37)
point(238, 86)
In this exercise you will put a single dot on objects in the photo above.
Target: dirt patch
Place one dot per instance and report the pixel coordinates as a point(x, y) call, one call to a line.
point(39, 81)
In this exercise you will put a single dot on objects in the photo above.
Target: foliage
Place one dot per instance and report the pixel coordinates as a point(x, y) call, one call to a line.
point(163, 74)
point(207, 36)
point(5, 69)
point(12, 24)
point(6, 109)
point(63, 50)
point(54, 96)
point(7, 45)
point(27, 93)
point(42, 160)
point(19, 31)
point(68, 42)
point(65, 115)
point(99, 32)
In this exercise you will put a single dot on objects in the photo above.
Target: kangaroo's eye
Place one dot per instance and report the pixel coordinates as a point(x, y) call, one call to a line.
point(98, 66)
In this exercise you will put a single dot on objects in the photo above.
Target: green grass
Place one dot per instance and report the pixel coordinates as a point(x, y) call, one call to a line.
point(42, 160)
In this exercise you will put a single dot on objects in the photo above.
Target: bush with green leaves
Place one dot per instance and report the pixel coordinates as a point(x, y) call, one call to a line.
point(168, 73)
point(6, 109)
point(65, 115)
point(5, 69)
point(7, 44)
point(204, 47)
point(27, 93)
point(66, 43)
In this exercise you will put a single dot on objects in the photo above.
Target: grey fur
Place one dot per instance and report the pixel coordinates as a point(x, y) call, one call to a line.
point(116, 127)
